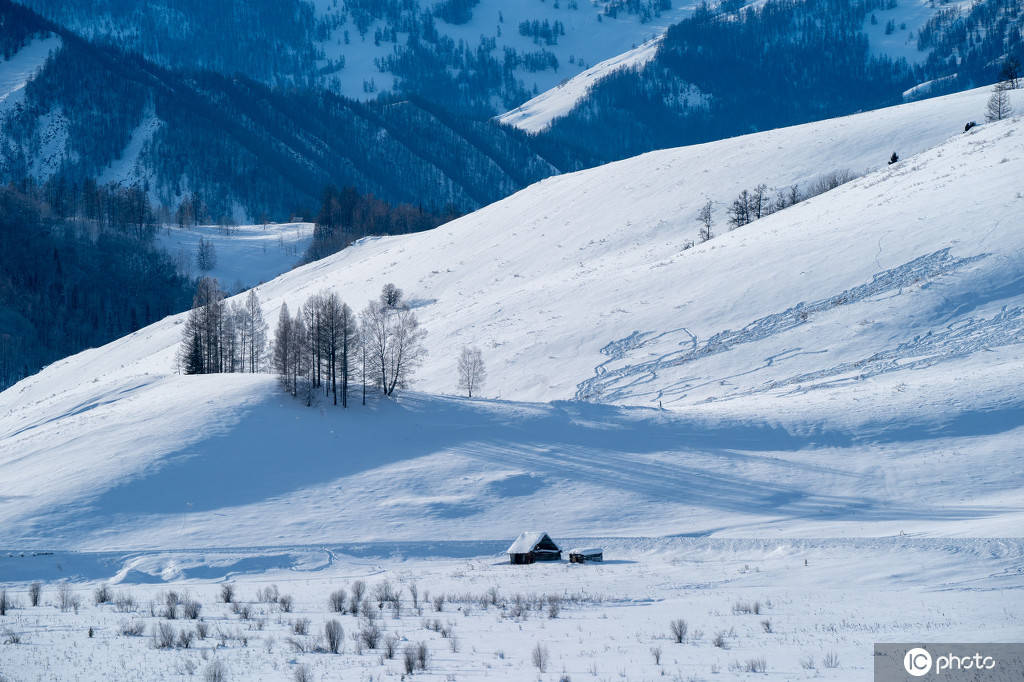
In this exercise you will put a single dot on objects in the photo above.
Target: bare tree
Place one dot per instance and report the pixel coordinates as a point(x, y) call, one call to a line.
point(1011, 72)
point(283, 338)
point(739, 212)
point(391, 296)
point(395, 344)
point(999, 103)
point(206, 255)
point(760, 205)
point(540, 657)
point(202, 349)
point(706, 220)
point(254, 330)
point(471, 370)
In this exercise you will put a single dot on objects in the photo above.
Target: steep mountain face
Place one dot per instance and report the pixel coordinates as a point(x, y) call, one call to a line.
point(812, 366)
point(465, 55)
point(721, 73)
point(96, 113)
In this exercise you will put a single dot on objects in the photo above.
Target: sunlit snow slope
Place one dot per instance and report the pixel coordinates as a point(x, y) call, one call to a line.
point(848, 366)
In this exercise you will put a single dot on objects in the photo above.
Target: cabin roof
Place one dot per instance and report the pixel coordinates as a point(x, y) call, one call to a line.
point(528, 541)
point(586, 550)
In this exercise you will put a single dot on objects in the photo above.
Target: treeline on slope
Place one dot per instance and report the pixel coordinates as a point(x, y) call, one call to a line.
point(78, 277)
point(345, 216)
point(781, 63)
point(247, 148)
point(761, 201)
point(321, 350)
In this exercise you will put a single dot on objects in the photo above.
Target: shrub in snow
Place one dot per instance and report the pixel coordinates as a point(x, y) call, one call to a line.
point(358, 591)
point(124, 602)
point(11, 637)
point(5, 603)
point(678, 628)
point(285, 603)
point(185, 638)
point(369, 634)
point(554, 606)
point(202, 630)
point(267, 595)
point(807, 663)
point(766, 625)
point(216, 671)
point(102, 595)
point(751, 665)
point(742, 607)
point(300, 626)
point(719, 640)
point(35, 592)
point(439, 603)
point(163, 636)
point(335, 636)
point(227, 593)
point(831, 660)
point(540, 657)
point(422, 655)
point(133, 628)
point(190, 609)
point(409, 659)
point(336, 602)
point(67, 600)
point(390, 645)
point(302, 673)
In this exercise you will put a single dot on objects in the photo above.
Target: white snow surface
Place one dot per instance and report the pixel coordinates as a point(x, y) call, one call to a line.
point(848, 367)
point(23, 65)
point(537, 114)
point(247, 255)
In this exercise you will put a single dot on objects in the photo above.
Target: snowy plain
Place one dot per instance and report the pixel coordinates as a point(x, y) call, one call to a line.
point(837, 383)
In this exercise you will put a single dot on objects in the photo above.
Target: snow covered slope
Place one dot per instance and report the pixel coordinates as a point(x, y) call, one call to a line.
point(247, 255)
point(814, 361)
point(22, 66)
point(538, 113)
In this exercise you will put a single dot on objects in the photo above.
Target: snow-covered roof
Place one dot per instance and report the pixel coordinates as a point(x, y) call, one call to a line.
point(527, 541)
point(586, 550)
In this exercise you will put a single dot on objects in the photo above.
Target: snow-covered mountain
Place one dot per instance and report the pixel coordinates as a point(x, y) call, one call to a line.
point(537, 114)
point(847, 365)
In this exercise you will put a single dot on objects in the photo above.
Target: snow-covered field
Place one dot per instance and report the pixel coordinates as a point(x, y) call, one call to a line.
point(815, 600)
point(247, 255)
point(846, 369)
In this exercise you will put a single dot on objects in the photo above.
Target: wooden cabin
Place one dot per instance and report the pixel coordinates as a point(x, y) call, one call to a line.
point(582, 555)
point(533, 546)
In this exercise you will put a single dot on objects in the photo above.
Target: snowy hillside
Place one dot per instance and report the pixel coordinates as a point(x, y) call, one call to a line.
point(812, 361)
point(22, 66)
point(538, 113)
point(591, 36)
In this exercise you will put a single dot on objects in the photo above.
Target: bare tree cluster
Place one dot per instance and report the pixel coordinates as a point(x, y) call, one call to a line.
point(751, 205)
point(221, 337)
point(325, 346)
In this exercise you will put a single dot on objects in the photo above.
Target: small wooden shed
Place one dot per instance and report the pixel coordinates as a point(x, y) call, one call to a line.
point(533, 546)
point(581, 555)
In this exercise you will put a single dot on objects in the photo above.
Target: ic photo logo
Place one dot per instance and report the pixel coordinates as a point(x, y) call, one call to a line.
point(917, 662)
